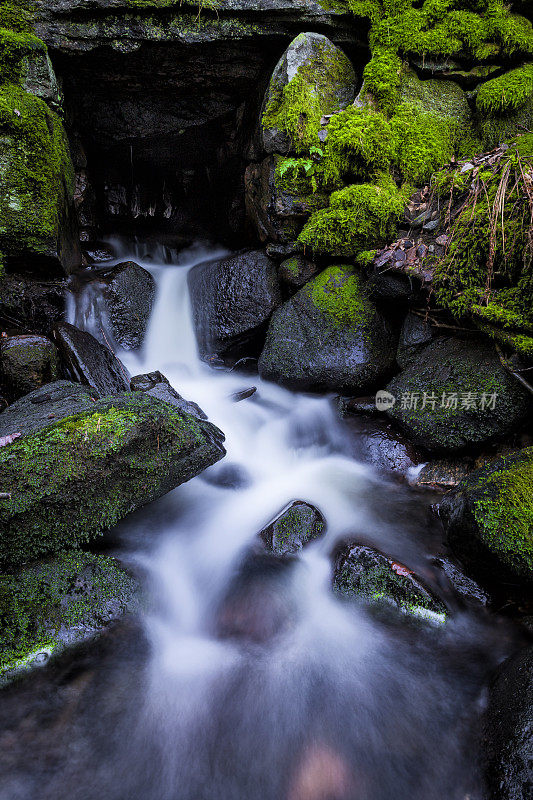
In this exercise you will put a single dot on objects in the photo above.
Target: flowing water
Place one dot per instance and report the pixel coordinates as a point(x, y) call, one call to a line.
point(332, 703)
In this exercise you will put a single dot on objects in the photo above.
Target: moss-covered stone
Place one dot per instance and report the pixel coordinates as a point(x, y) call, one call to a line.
point(507, 93)
point(67, 482)
point(364, 573)
point(312, 78)
point(54, 604)
point(294, 528)
point(358, 218)
point(457, 394)
point(27, 362)
point(329, 335)
point(489, 517)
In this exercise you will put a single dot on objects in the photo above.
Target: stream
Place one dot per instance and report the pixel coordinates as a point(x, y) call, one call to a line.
point(328, 701)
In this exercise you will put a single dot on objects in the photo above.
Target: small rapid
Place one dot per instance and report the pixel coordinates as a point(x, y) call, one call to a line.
point(336, 704)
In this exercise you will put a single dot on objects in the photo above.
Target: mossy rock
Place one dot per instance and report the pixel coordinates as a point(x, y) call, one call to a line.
point(443, 98)
point(55, 604)
point(489, 517)
point(364, 573)
point(482, 401)
point(129, 294)
point(312, 78)
point(36, 182)
point(294, 528)
point(69, 481)
point(28, 362)
point(329, 336)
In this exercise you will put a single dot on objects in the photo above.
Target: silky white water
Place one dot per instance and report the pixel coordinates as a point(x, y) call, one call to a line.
point(337, 704)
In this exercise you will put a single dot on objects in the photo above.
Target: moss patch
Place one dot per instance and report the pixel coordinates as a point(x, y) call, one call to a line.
point(59, 602)
point(74, 479)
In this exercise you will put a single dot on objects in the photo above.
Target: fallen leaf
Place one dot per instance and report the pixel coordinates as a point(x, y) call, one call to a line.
point(9, 438)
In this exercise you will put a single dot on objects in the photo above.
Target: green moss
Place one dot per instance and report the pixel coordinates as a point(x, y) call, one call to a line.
point(509, 92)
point(17, 15)
point(14, 47)
point(65, 599)
point(296, 108)
point(74, 479)
point(36, 173)
point(503, 510)
point(339, 295)
point(382, 79)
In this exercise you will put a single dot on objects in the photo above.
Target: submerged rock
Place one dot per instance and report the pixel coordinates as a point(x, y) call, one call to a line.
point(129, 293)
point(233, 299)
point(293, 528)
point(508, 728)
point(27, 362)
point(57, 603)
point(71, 480)
point(329, 336)
point(312, 78)
point(91, 362)
point(363, 572)
point(457, 394)
point(489, 517)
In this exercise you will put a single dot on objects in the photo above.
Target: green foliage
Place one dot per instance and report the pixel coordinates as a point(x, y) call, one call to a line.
point(301, 176)
point(16, 15)
point(382, 79)
point(359, 217)
point(509, 92)
point(487, 271)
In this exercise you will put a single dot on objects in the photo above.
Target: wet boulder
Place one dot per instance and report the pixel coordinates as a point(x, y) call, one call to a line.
point(489, 517)
point(25, 302)
point(365, 573)
point(157, 385)
point(415, 334)
point(42, 406)
point(456, 394)
point(129, 293)
point(54, 604)
point(294, 528)
point(378, 442)
point(233, 299)
point(69, 481)
point(296, 271)
point(312, 78)
point(27, 362)
point(90, 361)
point(329, 336)
point(508, 726)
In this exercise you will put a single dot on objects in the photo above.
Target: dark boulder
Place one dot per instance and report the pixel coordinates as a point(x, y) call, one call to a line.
point(508, 730)
point(41, 407)
point(365, 573)
point(89, 361)
point(129, 293)
point(295, 527)
point(27, 362)
point(378, 442)
point(232, 300)
point(464, 396)
point(329, 336)
point(54, 604)
point(414, 335)
point(156, 385)
point(33, 304)
point(325, 72)
point(69, 481)
point(296, 271)
point(489, 517)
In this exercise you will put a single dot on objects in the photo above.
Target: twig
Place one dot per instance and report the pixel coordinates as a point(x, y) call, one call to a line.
point(519, 378)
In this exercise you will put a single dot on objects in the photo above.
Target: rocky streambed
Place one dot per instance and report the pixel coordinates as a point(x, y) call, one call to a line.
point(266, 507)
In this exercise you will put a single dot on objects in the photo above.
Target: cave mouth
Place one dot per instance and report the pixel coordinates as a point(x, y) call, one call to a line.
point(161, 136)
